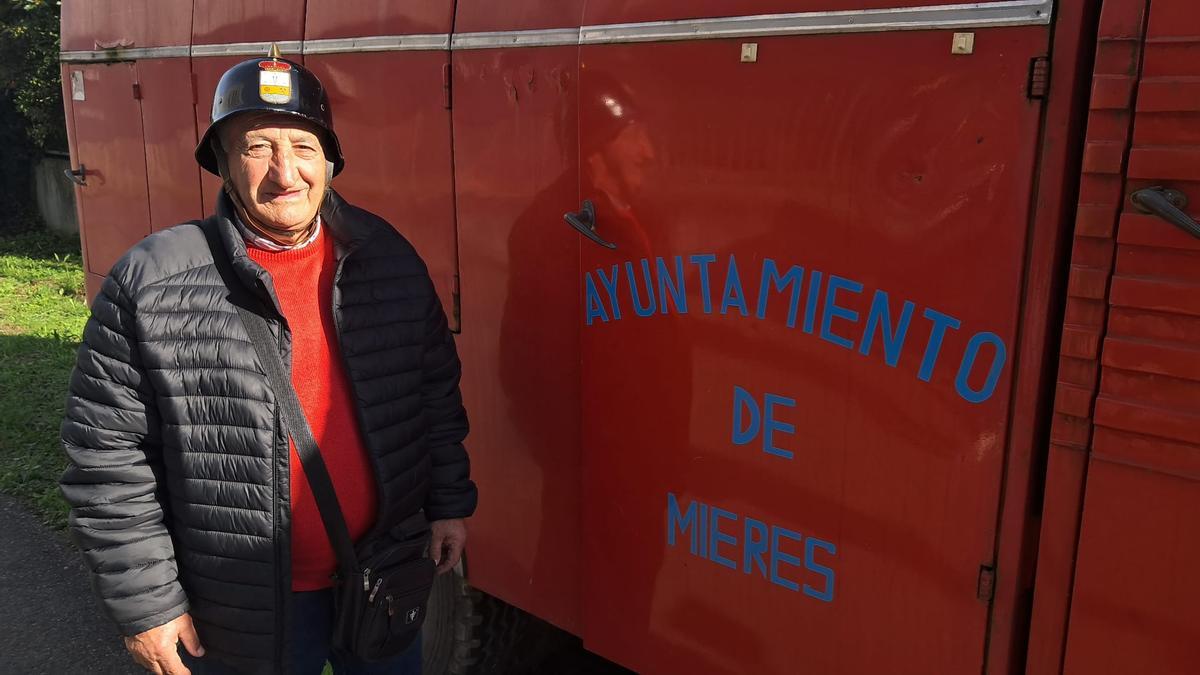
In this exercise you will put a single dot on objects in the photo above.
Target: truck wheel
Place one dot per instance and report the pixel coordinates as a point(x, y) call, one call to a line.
point(449, 638)
point(468, 632)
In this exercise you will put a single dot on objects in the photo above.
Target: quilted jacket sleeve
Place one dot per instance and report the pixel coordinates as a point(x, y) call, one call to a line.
point(453, 494)
point(111, 437)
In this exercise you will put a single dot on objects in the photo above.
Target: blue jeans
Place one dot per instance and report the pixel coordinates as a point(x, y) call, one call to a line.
point(312, 622)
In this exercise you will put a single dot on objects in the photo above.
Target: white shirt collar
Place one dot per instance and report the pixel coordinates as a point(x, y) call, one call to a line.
point(261, 242)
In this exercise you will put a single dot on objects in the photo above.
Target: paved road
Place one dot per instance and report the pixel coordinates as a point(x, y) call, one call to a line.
point(49, 622)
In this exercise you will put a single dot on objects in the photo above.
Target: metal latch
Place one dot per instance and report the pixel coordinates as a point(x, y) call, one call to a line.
point(77, 176)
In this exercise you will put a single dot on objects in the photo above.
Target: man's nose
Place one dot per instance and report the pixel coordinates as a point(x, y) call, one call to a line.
point(283, 168)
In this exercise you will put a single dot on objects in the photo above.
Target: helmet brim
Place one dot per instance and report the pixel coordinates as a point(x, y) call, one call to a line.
point(208, 161)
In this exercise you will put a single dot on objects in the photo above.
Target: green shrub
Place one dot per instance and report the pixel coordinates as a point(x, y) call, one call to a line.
point(31, 106)
point(29, 70)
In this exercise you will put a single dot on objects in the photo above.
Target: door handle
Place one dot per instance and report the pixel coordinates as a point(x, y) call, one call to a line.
point(78, 176)
point(585, 221)
point(1166, 204)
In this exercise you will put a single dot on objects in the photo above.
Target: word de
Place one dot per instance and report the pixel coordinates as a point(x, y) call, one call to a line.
point(750, 420)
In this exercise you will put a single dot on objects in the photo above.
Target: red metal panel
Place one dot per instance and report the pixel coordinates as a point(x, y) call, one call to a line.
point(1118, 56)
point(222, 21)
point(1180, 360)
point(1136, 589)
point(891, 177)
point(476, 16)
point(516, 173)
point(92, 284)
point(170, 130)
point(355, 18)
point(1178, 163)
point(1057, 187)
point(108, 142)
point(625, 11)
point(390, 114)
point(1146, 452)
point(1172, 94)
point(90, 25)
point(1174, 19)
point(1134, 593)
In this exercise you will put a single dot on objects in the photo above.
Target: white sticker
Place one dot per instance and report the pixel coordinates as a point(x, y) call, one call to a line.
point(77, 85)
point(275, 86)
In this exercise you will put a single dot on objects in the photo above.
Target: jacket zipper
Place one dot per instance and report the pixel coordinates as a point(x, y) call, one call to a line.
point(276, 534)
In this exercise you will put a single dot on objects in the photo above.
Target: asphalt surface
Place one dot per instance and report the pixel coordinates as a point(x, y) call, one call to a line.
point(49, 620)
point(51, 624)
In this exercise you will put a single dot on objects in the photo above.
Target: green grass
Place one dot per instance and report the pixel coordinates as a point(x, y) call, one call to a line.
point(42, 312)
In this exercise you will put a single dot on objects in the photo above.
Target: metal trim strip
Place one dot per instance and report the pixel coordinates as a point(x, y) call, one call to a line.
point(246, 48)
point(968, 15)
point(553, 37)
point(379, 43)
point(131, 54)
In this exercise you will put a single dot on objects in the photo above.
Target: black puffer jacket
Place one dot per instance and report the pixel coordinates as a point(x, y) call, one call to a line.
point(179, 468)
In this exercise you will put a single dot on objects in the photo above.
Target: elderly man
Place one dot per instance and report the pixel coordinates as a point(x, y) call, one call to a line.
point(197, 521)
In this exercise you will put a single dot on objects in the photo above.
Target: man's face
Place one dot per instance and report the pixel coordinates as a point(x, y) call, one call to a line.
point(277, 166)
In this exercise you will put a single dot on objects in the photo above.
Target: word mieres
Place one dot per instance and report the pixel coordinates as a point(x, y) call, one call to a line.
point(750, 545)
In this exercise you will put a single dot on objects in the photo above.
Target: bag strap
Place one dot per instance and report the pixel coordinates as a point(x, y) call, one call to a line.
point(294, 420)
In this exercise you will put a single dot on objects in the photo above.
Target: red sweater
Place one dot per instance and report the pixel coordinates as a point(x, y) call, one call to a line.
point(304, 284)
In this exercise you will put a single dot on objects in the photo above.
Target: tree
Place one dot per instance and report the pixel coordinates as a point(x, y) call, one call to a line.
point(29, 71)
point(31, 106)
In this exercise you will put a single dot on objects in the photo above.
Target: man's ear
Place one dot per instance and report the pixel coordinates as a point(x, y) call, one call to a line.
point(222, 164)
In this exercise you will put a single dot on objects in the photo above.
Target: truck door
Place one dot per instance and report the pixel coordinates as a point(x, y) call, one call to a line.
point(110, 162)
point(516, 86)
point(797, 353)
point(1126, 441)
point(127, 96)
point(129, 99)
point(390, 97)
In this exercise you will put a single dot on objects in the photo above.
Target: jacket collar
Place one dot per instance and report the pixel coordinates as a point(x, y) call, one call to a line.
point(251, 274)
point(347, 230)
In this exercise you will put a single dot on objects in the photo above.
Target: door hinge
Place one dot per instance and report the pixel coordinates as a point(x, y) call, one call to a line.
point(137, 91)
point(1039, 78)
point(446, 78)
point(985, 589)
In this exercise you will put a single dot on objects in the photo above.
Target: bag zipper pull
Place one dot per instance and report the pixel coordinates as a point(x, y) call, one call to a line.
point(371, 597)
point(391, 609)
point(367, 579)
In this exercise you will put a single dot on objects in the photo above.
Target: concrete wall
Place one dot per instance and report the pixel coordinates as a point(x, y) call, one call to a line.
point(55, 194)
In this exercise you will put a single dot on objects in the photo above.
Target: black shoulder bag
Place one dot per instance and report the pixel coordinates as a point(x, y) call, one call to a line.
point(380, 593)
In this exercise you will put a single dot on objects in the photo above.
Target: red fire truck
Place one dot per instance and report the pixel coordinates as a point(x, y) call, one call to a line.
point(869, 341)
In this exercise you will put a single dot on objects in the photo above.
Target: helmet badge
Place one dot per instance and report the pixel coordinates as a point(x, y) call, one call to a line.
point(275, 79)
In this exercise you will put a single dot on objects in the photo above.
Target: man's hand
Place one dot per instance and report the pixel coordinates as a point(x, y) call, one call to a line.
point(156, 650)
point(449, 537)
